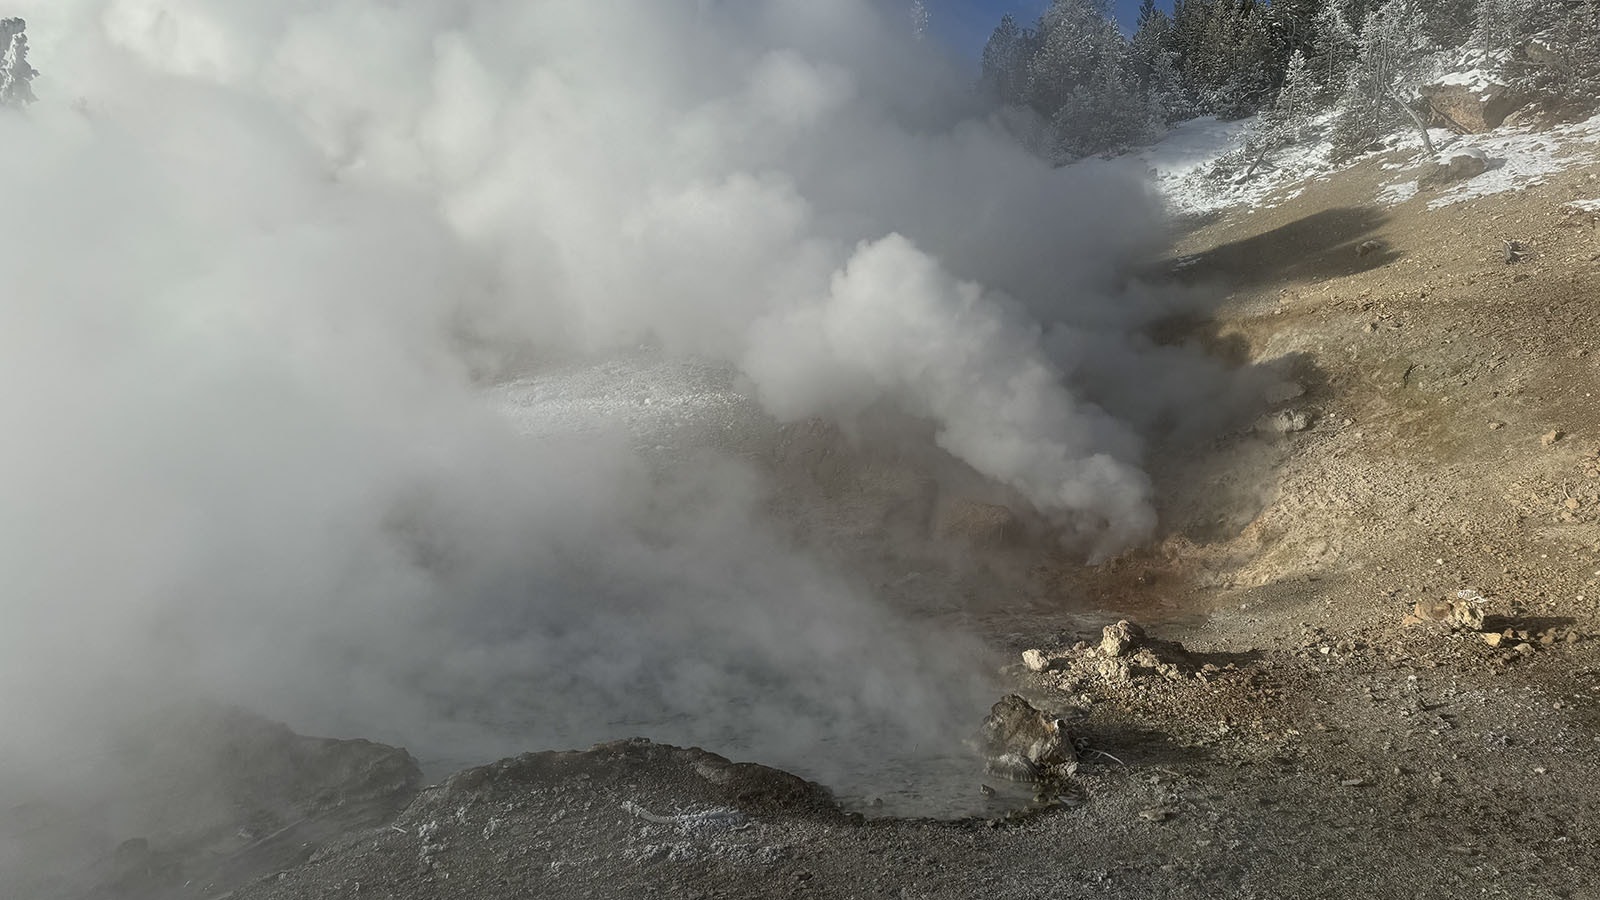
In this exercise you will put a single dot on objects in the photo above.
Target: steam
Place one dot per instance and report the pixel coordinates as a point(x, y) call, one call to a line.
point(260, 254)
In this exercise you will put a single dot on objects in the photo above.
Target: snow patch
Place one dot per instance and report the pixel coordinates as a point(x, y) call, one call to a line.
point(1479, 81)
point(1517, 159)
point(1395, 194)
point(1181, 167)
point(646, 396)
point(1182, 163)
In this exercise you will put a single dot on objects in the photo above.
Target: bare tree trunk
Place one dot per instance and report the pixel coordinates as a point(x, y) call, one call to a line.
point(1422, 127)
point(1261, 157)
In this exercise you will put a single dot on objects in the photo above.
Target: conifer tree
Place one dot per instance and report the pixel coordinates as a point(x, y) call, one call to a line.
point(16, 75)
point(1332, 53)
point(1391, 58)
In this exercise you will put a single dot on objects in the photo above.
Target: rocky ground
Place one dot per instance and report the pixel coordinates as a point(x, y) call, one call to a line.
point(1369, 663)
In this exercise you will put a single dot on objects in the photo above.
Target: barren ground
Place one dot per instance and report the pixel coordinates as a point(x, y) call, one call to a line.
point(1331, 749)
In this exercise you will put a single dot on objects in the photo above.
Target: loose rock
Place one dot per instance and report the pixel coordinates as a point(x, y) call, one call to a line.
point(1116, 640)
point(1024, 744)
point(1460, 165)
point(1288, 421)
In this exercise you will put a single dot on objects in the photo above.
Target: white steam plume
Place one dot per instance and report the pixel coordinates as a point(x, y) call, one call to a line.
point(257, 247)
point(687, 172)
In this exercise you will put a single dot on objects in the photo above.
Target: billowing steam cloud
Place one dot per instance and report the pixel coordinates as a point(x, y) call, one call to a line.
point(700, 175)
point(257, 249)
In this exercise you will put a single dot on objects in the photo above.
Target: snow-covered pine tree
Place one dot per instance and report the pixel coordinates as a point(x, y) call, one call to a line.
point(1283, 124)
point(1005, 62)
point(1154, 66)
point(1102, 115)
point(1250, 71)
point(1295, 22)
point(1499, 24)
point(1333, 51)
point(1074, 39)
point(1450, 22)
point(1392, 57)
point(16, 75)
point(1564, 59)
point(1229, 57)
point(1297, 102)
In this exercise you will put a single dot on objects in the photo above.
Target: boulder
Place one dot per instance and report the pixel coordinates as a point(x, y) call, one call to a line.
point(1116, 640)
point(1024, 744)
point(1455, 165)
point(1470, 105)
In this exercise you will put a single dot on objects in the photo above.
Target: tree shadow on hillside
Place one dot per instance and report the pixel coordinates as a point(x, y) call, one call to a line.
point(1326, 244)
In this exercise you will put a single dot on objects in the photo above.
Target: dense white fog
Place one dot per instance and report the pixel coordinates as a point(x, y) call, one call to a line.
point(264, 259)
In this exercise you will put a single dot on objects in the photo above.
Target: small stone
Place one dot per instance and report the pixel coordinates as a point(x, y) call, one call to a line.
point(1524, 649)
point(1353, 782)
point(1548, 639)
point(1155, 814)
point(1551, 438)
point(1289, 421)
point(1466, 614)
point(1115, 671)
point(986, 790)
point(1035, 660)
point(1572, 503)
point(1494, 640)
point(1431, 610)
point(1496, 426)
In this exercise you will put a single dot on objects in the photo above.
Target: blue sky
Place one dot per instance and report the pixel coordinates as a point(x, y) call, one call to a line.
point(967, 23)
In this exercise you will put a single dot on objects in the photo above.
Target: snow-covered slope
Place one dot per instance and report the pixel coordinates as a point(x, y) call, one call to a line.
point(1182, 164)
point(1182, 161)
point(1517, 159)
